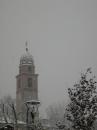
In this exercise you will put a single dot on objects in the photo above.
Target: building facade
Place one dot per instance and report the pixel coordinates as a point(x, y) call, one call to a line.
point(26, 84)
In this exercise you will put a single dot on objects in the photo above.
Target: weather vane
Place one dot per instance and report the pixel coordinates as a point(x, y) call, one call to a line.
point(26, 46)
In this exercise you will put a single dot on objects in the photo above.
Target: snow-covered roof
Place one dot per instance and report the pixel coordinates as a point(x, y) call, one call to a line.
point(21, 122)
point(2, 120)
point(33, 102)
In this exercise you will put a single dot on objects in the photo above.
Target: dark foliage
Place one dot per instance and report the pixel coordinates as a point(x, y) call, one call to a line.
point(82, 109)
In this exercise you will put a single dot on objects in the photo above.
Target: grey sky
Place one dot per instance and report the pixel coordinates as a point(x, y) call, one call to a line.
point(62, 37)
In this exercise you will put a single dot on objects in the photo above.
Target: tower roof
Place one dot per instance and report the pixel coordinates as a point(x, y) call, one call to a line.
point(26, 58)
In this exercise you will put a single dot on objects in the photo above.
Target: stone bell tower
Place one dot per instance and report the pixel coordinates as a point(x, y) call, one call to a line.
point(26, 84)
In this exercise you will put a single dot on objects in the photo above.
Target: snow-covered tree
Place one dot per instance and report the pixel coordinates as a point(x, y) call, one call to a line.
point(82, 109)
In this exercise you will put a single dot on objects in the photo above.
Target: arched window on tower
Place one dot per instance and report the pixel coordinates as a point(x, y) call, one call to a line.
point(29, 68)
point(29, 82)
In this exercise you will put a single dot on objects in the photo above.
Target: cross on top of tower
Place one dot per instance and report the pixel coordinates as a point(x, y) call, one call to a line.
point(26, 44)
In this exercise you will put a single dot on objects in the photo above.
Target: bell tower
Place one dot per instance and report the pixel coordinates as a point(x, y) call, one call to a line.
point(26, 84)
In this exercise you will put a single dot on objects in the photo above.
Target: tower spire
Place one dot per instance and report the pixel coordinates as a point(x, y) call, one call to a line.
point(26, 44)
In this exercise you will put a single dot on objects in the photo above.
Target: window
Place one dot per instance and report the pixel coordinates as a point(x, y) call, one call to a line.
point(30, 69)
point(29, 82)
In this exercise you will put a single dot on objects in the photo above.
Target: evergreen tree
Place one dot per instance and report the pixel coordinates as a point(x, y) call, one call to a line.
point(82, 109)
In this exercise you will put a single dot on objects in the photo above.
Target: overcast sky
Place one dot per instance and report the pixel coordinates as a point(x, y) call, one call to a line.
point(62, 37)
